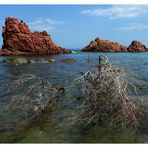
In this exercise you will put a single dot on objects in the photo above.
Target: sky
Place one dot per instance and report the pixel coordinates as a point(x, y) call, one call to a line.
point(74, 26)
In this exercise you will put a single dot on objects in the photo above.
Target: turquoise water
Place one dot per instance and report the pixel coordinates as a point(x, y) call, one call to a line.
point(45, 130)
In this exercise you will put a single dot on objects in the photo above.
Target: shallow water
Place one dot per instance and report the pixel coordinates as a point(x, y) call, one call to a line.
point(45, 130)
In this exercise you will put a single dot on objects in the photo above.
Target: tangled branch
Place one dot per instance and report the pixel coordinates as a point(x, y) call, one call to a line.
point(34, 98)
point(106, 98)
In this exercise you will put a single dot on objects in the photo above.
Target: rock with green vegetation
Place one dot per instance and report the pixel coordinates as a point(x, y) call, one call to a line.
point(20, 61)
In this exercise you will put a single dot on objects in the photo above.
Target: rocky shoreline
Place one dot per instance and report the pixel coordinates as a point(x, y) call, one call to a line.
point(99, 45)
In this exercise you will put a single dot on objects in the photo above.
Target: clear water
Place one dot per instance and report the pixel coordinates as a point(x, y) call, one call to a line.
point(45, 130)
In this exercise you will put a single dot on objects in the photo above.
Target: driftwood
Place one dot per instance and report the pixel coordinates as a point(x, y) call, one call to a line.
point(34, 98)
point(106, 98)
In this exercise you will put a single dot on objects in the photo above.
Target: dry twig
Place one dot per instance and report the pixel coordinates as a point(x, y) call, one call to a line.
point(106, 98)
point(34, 98)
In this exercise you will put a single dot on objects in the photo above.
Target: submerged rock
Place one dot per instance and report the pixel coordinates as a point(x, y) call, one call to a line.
point(42, 61)
point(19, 40)
point(15, 61)
point(51, 60)
point(2, 128)
point(31, 61)
point(20, 61)
point(7, 61)
point(68, 60)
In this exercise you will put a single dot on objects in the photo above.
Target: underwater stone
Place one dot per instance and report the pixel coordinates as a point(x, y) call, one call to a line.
point(31, 61)
point(68, 60)
point(20, 61)
point(51, 60)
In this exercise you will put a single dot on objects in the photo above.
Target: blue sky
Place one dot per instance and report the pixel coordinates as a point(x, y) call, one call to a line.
point(74, 26)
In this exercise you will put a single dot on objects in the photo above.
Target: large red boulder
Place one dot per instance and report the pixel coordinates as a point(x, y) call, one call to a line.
point(104, 46)
point(19, 40)
point(137, 46)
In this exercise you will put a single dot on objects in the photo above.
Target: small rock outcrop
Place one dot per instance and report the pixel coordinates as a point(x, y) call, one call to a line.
point(99, 45)
point(19, 40)
point(104, 46)
point(137, 46)
point(68, 60)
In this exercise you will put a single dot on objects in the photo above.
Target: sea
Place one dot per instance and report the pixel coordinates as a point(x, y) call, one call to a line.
point(46, 129)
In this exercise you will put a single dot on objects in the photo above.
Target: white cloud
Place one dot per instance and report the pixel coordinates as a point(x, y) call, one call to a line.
point(54, 22)
point(134, 26)
point(118, 11)
point(46, 24)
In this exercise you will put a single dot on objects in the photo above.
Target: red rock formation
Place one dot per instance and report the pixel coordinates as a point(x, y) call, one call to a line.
point(137, 46)
point(108, 46)
point(19, 40)
point(104, 46)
